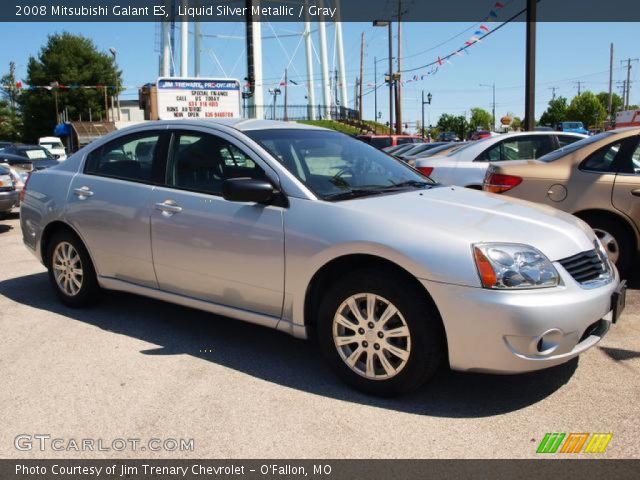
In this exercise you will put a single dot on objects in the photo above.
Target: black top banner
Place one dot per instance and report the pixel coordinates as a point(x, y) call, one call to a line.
point(317, 10)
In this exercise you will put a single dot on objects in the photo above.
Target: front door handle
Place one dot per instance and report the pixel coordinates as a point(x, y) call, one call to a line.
point(636, 192)
point(168, 207)
point(83, 192)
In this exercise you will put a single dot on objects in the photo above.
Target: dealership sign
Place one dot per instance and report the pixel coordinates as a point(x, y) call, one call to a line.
point(198, 98)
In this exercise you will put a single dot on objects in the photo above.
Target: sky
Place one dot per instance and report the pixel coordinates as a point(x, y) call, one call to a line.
point(566, 53)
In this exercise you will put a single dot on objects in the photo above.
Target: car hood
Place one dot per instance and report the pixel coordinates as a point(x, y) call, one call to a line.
point(457, 217)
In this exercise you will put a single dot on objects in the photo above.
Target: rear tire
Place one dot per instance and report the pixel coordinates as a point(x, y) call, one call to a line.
point(374, 350)
point(71, 271)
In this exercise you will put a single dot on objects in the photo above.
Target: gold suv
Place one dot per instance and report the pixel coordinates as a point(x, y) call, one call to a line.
point(597, 179)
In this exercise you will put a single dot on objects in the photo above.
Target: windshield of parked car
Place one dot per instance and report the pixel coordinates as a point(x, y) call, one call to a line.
point(35, 153)
point(572, 147)
point(466, 145)
point(337, 167)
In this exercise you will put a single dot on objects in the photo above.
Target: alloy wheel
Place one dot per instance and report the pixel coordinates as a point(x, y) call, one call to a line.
point(371, 336)
point(67, 269)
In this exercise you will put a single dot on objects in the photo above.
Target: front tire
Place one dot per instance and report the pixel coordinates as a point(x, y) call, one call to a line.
point(71, 271)
point(380, 332)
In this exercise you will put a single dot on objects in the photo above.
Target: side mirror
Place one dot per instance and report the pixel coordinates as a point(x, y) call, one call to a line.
point(247, 190)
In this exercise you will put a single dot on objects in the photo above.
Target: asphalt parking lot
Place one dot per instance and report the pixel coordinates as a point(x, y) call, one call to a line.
point(138, 368)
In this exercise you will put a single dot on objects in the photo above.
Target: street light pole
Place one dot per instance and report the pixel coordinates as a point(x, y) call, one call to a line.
point(114, 53)
point(428, 102)
point(387, 23)
point(375, 93)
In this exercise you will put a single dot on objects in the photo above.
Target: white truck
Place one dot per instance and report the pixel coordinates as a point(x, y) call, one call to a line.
point(55, 147)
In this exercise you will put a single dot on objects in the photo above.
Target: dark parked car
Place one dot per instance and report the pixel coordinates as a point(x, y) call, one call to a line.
point(31, 152)
point(20, 162)
point(8, 193)
point(448, 137)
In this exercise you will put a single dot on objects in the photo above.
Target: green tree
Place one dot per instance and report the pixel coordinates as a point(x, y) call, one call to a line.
point(555, 112)
point(587, 109)
point(10, 118)
point(10, 123)
point(516, 123)
point(480, 118)
point(65, 64)
point(452, 123)
point(616, 102)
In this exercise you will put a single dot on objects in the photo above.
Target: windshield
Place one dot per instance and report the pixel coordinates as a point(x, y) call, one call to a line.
point(466, 145)
point(35, 153)
point(573, 125)
point(572, 147)
point(335, 166)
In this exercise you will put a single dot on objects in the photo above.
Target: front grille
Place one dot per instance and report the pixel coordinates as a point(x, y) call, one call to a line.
point(584, 266)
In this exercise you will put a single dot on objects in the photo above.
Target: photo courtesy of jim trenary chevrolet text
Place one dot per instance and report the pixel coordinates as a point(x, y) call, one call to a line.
point(326, 239)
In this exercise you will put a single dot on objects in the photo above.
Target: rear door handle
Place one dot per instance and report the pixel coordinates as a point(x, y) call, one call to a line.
point(636, 192)
point(83, 192)
point(168, 207)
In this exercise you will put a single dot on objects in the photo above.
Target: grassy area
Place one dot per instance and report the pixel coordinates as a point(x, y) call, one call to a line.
point(333, 125)
point(377, 127)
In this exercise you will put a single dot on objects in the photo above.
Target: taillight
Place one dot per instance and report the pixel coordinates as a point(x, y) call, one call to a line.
point(24, 189)
point(426, 171)
point(500, 183)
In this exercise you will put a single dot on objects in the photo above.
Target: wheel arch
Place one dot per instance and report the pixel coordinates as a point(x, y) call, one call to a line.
point(337, 267)
point(48, 233)
point(619, 218)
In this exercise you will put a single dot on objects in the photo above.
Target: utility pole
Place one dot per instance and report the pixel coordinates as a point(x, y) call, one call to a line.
point(610, 108)
point(286, 94)
point(361, 75)
point(553, 92)
point(398, 80)
point(530, 87)
point(625, 97)
point(375, 93)
point(579, 83)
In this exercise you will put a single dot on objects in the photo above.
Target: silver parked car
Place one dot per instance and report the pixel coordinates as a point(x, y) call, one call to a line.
point(467, 166)
point(307, 231)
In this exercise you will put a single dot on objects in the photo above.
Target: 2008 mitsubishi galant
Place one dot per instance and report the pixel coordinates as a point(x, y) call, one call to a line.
point(307, 230)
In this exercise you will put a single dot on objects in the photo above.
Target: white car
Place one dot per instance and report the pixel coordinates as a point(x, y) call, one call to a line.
point(466, 166)
point(55, 147)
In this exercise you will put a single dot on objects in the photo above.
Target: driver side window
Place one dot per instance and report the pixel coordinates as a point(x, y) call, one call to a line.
point(201, 162)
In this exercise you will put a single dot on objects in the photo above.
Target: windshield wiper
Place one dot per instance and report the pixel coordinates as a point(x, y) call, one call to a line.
point(354, 193)
point(411, 183)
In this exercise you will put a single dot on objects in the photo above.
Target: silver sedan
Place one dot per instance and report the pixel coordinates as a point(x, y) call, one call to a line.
point(316, 234)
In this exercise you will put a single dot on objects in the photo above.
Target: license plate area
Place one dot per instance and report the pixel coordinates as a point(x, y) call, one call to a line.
point(618, 301)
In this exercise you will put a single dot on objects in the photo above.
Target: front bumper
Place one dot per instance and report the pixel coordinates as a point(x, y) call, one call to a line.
point(520, 331)
point(8, 200)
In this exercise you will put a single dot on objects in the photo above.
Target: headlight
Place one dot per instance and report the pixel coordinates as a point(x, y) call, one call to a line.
point(513, 266)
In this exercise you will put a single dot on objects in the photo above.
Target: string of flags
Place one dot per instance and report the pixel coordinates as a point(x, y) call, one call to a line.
point(442, 60)
point(58, 86)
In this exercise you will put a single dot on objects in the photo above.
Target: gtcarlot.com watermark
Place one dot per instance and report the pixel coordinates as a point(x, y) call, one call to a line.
point(44, 442)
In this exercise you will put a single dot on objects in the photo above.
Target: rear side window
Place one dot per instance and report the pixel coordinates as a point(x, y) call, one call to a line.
point(126, 158)
point(520, 148)
point(602, 160)
point(565, 140)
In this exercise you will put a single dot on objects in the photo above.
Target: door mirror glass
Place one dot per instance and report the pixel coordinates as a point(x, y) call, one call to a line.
point(247, 190)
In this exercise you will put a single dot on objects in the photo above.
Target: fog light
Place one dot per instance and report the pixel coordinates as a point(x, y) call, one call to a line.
point(549, 341)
